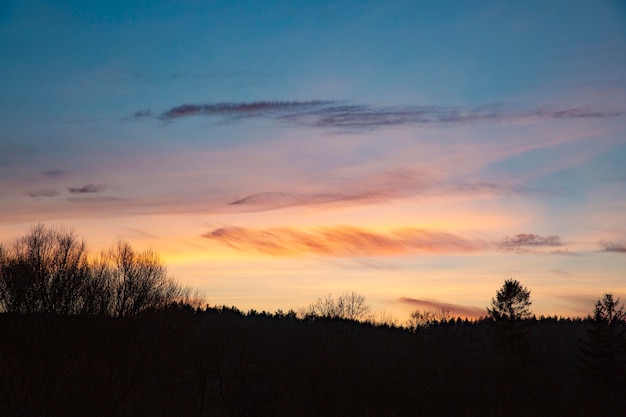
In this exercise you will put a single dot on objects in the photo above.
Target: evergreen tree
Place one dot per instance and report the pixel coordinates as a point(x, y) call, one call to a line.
point(511, 302)
point(509, 314)
point(604, 351)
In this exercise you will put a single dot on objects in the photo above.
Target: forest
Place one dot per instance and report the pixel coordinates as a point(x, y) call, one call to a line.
point(114, 335)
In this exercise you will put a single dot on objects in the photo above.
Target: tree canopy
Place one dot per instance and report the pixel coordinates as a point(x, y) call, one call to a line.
point(511, 303)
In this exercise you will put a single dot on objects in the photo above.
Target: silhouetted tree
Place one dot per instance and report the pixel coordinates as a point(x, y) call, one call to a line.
point(136, 281)
point(44, 272)
point(349, 306)
point(604, 352)
point(352, 306)
point(48, 271)
point(421, 319)
point(508, 314)
point(511, 302)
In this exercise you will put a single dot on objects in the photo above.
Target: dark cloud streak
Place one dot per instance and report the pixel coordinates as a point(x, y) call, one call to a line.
point(520, 242)
point(43, 193)
point(277, 200)
point(143, 114)
point(338, 114)
point(274, 109)
point(86, 189)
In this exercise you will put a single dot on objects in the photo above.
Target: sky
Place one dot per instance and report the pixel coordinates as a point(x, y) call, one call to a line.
point(416, 152)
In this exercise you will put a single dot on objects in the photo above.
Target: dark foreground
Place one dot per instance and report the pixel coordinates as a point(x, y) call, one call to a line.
point(220, 362)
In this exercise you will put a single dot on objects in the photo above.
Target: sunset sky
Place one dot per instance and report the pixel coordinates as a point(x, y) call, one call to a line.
point(416, 152)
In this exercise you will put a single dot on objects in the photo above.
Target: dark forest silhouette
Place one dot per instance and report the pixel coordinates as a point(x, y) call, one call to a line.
point(114, 335)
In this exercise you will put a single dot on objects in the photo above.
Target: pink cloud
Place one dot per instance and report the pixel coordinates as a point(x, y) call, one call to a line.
point(454, 309)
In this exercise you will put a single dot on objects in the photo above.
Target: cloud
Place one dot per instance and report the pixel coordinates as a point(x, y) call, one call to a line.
point(142, 114)
point(244, 109)
point(520, 242)
point(454, 309)
point(341, 241)
point(381, 187)
point(565, 251)
point(367, 189)
point(613, 246)
point(361, 116)
point(338, 114)
point(54, 173)
point(43, 193)
point(490, 188)
point(86, 189)
point(276, 200)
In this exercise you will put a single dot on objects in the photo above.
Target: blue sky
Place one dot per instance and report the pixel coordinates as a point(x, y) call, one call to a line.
point(412, 151)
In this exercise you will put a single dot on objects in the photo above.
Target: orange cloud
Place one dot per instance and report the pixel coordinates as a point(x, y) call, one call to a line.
point(341, 241)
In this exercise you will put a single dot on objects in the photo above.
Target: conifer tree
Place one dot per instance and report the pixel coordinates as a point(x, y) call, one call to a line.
point(509, 314)
point(604, 351)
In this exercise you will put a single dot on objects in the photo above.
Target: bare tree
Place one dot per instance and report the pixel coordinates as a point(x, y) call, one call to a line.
point(99, 291)
point(421, 319)
point(349, 306)
point(321, 307)
point(352, 306)
point(48, 271)
point(138, 281)
point(44, 271)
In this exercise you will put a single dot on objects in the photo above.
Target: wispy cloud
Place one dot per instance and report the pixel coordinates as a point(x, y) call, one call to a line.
point(362, 116)
point(492, 188)
point(381, 187)
point(51, 174)
point(276, 200)
point(272, 109)
point(341, 241)
point(454, 309)
point(87, 189)
point(142, 114)
point(340, 114)
point(43, 193)
point(54, 173)
point(613, 246)
point(523, 241)
point(363, 189)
